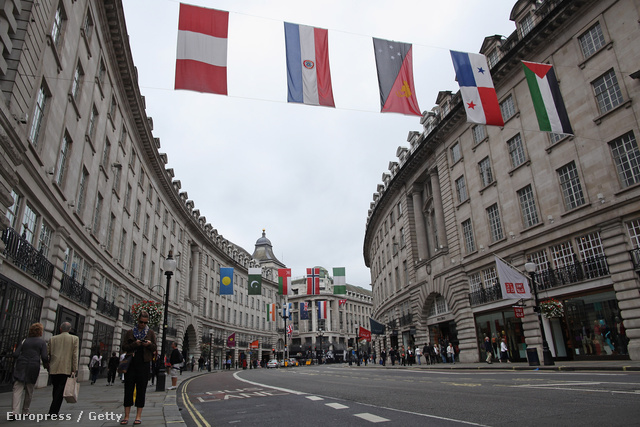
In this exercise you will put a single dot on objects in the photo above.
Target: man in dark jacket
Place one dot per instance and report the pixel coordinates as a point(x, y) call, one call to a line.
point(489, 349)
point(175, 360)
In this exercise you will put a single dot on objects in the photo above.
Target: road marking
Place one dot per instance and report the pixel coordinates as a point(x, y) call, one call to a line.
point(371, 418)
point(336, 405)
point(195, 414)
point(314, 398)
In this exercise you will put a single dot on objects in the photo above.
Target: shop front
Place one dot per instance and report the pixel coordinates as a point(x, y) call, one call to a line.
point(497, 325)
point(594, 329)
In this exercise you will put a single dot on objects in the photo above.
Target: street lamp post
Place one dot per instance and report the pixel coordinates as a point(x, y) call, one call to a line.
point(546, 353)
point(210, 349)
point(320, 335)
point(169, 266)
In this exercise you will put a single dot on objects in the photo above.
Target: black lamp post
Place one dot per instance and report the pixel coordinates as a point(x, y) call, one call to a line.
point(210, 349)
point(546, 353)
point(321, 336)
point(169, 266)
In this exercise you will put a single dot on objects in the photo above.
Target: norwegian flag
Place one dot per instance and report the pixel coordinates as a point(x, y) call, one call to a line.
point(313, 281)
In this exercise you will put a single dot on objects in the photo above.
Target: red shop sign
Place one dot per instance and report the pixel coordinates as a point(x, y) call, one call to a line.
point(519, 311)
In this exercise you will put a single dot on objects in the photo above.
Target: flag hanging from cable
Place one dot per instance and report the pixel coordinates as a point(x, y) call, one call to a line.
point(271, 312)
point(339, 281)
point(547, 98)
point(284, 281)
point(231, 340)
point(476, 87)
point(308, 73)
point(226, 280)
point(313, 281)
point(201, 59)
point(394, 63)
point(255, 281)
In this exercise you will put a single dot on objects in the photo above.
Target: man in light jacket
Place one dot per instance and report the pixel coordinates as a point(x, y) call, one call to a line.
point(63, 361)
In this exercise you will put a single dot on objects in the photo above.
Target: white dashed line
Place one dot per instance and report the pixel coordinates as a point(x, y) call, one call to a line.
point(336, 405)
point(314, 398)
point(371, 418)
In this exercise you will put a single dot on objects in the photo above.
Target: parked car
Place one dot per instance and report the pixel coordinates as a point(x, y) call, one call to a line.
point(273, 363)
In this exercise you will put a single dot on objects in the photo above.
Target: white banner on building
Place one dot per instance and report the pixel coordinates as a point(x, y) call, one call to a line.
point(513, 283)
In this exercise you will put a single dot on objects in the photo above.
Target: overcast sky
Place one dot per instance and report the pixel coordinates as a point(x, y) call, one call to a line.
point(305, 174)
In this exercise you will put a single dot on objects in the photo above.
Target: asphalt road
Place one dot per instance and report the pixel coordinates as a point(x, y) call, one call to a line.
point(339, 395)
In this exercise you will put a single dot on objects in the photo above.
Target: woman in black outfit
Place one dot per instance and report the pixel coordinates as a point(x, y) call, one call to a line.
point(141, 343)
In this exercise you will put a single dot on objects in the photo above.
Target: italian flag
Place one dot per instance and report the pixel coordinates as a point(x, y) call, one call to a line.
point(546, 97)
point(339, 281)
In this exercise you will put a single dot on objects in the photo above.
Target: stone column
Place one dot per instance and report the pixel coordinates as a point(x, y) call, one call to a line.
point(439, 210)
point(421, 231)
point(194, 279)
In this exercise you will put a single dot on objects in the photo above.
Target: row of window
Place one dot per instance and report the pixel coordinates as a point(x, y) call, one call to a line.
point(626, 156)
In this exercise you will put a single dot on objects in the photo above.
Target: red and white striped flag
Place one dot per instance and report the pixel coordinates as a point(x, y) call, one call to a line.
point(201, 60)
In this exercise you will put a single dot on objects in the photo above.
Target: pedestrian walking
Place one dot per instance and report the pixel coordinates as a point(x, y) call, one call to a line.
point(63, 362)
point(112, 367)
point(504, 351)
point(488, 349)
point(176, 360)
point(139, 343)
point(28, 355)
point(418, 354)
point(94, 366)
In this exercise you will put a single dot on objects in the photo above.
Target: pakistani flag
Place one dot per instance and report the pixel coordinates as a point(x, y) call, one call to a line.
point(546, 97)
point(339, 281)
point(255, 281)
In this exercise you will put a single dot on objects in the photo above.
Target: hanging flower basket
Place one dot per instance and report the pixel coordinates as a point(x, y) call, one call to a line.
point(551, 308)
point(154, 309)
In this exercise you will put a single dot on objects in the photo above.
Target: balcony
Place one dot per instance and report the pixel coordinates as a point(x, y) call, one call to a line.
point(20, 252)
point(127, 317)
point(485, 295)
point(576, 272)
point(635, 258)
point(107, 308)
point(75, 290)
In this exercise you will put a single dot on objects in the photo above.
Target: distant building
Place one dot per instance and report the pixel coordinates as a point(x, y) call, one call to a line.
point(460, 193)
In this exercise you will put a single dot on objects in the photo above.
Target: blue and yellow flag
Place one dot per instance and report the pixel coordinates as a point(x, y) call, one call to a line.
point(226, 281)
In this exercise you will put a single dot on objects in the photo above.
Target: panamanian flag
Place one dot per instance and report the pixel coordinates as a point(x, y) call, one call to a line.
point(476, 87)
point(308, 73)
point(322, 309)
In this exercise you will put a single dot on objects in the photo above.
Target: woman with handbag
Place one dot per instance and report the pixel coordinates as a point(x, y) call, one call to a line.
point(140, 344)
point(25, 374)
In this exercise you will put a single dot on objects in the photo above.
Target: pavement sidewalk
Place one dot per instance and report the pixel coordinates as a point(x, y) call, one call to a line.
point(101, 405)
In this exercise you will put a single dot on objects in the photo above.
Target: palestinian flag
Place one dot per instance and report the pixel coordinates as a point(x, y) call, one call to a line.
point(546, 97)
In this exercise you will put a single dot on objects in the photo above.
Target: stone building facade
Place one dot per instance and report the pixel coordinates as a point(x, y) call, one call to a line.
point(461, 193)
point(88, 208)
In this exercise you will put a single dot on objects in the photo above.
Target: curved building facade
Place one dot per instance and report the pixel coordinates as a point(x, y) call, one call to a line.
point(88, 207)
point(461, 193)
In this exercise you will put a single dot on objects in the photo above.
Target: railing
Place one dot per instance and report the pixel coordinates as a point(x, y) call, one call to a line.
point(485, 295)
point(635, 258)
point(406, 319)
point(172, 331)
point(23, 255)
point(108, 308)
point(75, 290)
point(576, 272)
point(592, 268)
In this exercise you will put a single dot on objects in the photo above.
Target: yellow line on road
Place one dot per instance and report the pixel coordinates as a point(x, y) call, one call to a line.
point(195, 414)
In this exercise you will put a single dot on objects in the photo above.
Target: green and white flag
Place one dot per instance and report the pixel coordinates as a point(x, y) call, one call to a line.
point(547, 99)
point(255, 281)
point(339, 281)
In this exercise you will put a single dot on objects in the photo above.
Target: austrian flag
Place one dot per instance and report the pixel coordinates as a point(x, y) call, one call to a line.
point(201, 60)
